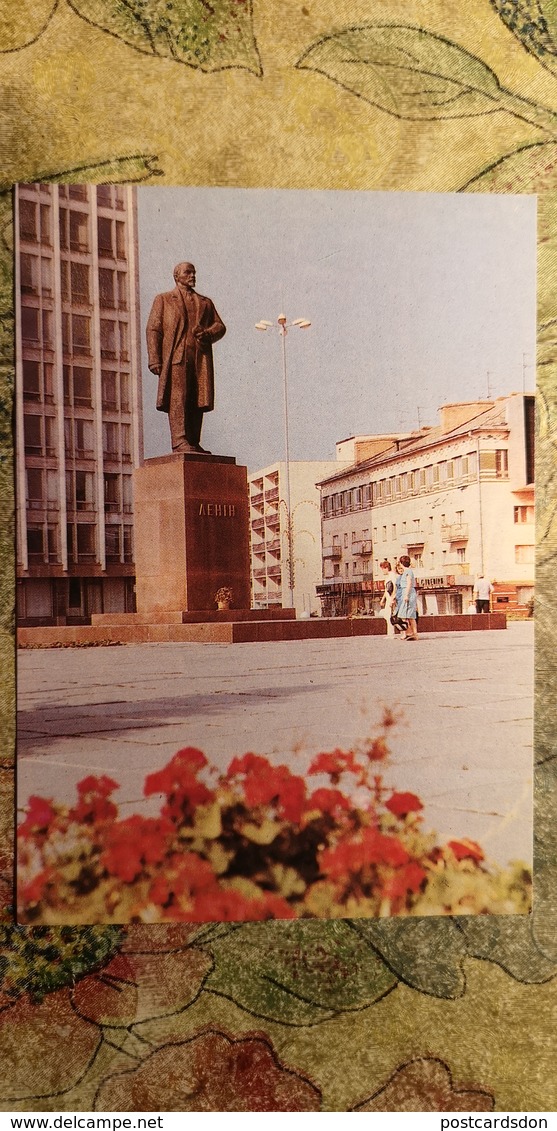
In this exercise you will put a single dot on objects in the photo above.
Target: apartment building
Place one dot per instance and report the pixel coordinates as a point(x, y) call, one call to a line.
point(457, 498)
point(78, 400)
point(286, 534)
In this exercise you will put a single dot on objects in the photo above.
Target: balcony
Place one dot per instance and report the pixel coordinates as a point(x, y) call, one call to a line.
point(260, 573)
point(273, 545)
point(454, 532)
point(362, 547)
point(257, 499)
point(332, 552)
point(271, 495)
point(258, 525)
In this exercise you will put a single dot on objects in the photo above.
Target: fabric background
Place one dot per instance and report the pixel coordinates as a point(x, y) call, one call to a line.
point(402, 1015)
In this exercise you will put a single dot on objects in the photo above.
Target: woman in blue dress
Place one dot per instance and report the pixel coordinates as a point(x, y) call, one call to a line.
point(408, 604)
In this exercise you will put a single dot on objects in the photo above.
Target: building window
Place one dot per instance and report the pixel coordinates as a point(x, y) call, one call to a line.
point(112, 543)
point(121, 239)
point(28, 216)
point(105, 237)
point(32, 381)
point(30, 316)
point(125, 440)
point(104, 196)
point(79, 275)
point(81, 334)
point(85, 535)
point(35, 490)
point(110, 440)
point(122, 287)
point(84, 437)
point(524, 555)
point(106, 288)
point(384, 533)
point(35, 542)
point(393, 530)
point(108, 338)
point(524, 514)
point(78, 231)
point(84, 491)
point(112, 492)
point(346, 541)
point(29, 273)
point(128, 543)
point(33, 434)
point(109, 390)
point(494, 463)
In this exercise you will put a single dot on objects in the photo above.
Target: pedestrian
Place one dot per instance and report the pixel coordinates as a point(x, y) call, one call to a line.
point(400, 625)
point(388, 599)
point(482, 591)
point(408, 606)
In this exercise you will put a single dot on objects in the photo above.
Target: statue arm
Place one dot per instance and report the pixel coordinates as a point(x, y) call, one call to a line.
point(155, 335)
point(216, 328)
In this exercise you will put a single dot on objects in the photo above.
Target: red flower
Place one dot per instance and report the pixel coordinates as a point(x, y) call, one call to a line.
point(400, 804)
point(328, 800)
point(466, 849)
point(247, 764)
point(187, 874)
point(40, 813)
point(407, 879)
point(133, 843)
point(378, 750)
point(33, 891)
point(265, 784)
point(180, 771)
point(335, 763)
point(103, 786)
point(93, 805)
point(371, 847)
point(226, 905)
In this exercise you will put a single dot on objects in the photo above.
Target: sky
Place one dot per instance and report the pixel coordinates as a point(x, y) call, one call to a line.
point(414, 299)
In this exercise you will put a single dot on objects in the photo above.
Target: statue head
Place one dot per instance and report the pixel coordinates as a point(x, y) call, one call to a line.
point(184, 274)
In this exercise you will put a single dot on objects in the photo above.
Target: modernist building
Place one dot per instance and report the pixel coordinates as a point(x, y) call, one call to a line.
point(458, 499)
point(286, 535)
point(78, 400)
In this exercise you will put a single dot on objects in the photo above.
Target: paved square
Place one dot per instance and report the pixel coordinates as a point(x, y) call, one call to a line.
point(463, 702)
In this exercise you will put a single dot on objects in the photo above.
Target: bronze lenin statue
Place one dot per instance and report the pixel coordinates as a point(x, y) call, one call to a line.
point(181, 329)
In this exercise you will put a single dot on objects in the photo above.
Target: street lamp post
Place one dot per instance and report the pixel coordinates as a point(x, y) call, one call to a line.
point(283, 327)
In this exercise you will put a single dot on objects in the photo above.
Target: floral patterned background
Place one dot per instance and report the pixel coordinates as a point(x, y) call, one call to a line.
point(430, 1015)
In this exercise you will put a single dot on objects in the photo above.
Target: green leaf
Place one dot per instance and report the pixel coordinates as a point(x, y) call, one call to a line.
point(427, 954)
point(530, 169)
point(508, 941)
point(210, 35)
point(23, 23)
point(406, 71)
point(115, 170)
point(298, 973)
point(44, 959)
point(534, 23)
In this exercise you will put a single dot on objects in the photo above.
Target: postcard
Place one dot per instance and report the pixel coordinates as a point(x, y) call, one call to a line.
point(218, 714)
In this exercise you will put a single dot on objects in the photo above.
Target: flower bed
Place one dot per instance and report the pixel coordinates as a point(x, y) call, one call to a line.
point(257, 842)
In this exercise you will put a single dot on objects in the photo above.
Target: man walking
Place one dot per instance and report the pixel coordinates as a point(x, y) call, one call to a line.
point(482, 592)
point(181, 329)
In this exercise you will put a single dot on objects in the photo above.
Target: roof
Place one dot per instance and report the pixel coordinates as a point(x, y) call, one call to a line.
point(493, 417)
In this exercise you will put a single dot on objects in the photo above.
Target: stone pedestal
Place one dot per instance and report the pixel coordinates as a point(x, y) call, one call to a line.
point(191, 533)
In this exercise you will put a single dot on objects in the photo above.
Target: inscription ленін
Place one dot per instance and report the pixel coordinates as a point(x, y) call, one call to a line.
point(217, 510)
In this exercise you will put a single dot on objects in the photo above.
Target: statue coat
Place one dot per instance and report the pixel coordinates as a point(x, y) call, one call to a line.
point(166, 342)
